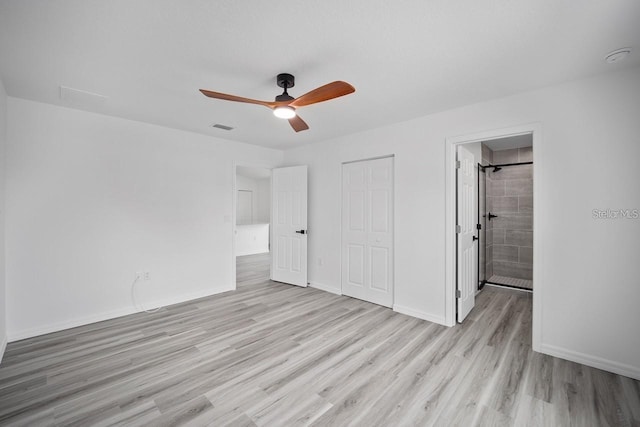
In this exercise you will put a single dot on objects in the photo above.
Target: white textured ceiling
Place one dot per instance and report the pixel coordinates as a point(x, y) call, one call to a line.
point(405, 58)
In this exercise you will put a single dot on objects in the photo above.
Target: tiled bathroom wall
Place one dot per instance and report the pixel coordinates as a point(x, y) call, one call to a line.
point(509, 251)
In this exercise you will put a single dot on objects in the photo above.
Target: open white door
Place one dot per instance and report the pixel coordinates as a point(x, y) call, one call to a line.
point(467, 256)
point(367, 230)
point(289, 217)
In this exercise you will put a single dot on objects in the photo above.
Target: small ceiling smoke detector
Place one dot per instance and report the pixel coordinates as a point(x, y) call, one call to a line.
point(617, 55)
point(223, 127)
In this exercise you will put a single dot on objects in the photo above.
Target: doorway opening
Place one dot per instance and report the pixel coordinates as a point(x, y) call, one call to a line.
point(252, 234)
point(452, 273)
point(505, 212)
point(494, 205)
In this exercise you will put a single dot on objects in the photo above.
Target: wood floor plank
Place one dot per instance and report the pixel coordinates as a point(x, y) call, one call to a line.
point(271, 354)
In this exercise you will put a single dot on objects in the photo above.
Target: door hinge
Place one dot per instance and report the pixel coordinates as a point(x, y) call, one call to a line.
point(457, 164)
point(458, 229)
point(478, 226)
point(458, 293)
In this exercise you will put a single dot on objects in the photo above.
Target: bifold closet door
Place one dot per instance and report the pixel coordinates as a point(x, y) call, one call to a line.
point(367, 230)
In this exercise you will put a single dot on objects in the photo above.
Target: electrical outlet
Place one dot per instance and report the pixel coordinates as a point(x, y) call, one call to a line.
point(147, 275)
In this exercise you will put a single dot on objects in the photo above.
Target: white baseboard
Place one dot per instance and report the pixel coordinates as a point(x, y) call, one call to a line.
point(111, 314)
point(3, 346)
point(419, 314)
point(326, 288)
point(593, 361)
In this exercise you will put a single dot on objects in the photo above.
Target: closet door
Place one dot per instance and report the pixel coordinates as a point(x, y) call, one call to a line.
point(367, 230)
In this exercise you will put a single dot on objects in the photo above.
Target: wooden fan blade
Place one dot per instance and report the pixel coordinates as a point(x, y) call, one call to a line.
point(298, 124)
point(323, 93)
point(226, 97)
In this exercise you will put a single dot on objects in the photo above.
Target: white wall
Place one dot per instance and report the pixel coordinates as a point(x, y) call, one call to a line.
point(252, 239)
point(244, 183)
point(261, 190)
point(3, 306)
point(92, 199)
point(587, 159)
point(263, 215)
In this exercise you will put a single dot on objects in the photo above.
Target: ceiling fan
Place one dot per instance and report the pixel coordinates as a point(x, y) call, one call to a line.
point(285, 105)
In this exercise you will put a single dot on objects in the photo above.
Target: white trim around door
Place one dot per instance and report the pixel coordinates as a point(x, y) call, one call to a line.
point(451, 144)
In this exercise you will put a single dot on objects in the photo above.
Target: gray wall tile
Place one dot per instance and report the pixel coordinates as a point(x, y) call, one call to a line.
point(496, 188)
point(517, 237)
point(505, 156)
point(525, 204)
point(525, 154)
point(502, 204)
point(518, 187)
point(513, 222)
point(489, 269)
point(512, 172)
point(525, 255)
point(505, 253)
point(513, 269)
point(498, 236)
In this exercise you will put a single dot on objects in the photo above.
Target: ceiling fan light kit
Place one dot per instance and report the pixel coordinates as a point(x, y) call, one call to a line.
point(284, 112)
point(285, 105)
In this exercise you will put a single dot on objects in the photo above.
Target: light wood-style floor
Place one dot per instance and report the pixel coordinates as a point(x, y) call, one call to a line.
point(271, 354)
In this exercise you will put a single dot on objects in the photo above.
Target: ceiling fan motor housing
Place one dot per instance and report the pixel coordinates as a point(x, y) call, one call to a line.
point(284, 97)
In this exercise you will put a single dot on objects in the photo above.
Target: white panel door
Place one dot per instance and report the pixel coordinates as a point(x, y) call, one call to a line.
point(467, 255)
point(289, 217)
point(367, 230)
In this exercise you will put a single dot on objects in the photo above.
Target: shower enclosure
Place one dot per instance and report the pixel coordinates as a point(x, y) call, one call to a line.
point(505, 218)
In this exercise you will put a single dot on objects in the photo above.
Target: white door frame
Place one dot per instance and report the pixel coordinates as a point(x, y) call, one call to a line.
point(234, 213)
point(451, 144)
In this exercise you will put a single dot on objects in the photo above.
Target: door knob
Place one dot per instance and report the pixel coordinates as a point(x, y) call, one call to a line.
point(301, 231)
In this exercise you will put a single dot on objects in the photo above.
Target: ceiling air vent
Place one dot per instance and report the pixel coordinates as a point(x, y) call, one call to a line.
point(223, 127)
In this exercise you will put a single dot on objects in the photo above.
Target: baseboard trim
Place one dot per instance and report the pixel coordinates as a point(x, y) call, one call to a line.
point(326, 288)
point(112, 314)
point(593, 361)
point(3, 346)
point(419, 314)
